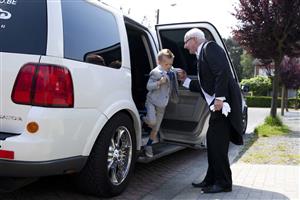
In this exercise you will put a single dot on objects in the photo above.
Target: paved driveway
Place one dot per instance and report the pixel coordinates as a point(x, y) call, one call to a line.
point(162, 179)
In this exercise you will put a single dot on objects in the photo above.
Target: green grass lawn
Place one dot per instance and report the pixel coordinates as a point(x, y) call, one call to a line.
point(265, 153)
point(271, 127)
point(265, 148)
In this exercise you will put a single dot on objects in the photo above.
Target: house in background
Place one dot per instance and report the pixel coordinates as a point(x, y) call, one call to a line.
point(263, 68)
point(267, 68)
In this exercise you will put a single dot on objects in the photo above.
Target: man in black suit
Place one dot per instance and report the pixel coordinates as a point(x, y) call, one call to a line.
point(218, 87)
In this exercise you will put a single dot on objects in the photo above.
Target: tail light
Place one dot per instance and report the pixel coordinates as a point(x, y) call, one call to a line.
point(7, 154)
point(44, 85)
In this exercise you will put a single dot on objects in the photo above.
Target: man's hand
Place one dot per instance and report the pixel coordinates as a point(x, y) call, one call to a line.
point(181, 74)
point(218, 104)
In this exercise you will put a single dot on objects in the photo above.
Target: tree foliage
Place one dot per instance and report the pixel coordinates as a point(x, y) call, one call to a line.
point(290, 78)
point(247, 65)
point(269, 29)
point(259, 85)
point(235, 51)
point(290, 72)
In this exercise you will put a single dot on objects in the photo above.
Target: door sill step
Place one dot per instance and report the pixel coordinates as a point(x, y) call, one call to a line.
point(159, 150)
point(193, 146)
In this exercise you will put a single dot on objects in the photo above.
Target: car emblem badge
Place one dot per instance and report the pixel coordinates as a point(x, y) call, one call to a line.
point(9, 117)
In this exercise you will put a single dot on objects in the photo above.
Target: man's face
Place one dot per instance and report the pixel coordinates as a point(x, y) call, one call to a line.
point(191, 45)
point(166, 63)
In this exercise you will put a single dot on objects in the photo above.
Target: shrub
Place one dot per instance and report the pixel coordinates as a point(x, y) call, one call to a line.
point(259, 85)
point(265, 102)
point(271, 127)
point(294, 103)
point(260, 101)
point(273, 121)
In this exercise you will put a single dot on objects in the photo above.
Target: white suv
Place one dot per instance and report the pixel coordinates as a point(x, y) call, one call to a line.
point(73, 80)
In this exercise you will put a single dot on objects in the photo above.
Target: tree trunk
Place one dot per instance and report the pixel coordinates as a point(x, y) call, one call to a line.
point(283, 99)
point(286, 99)
point(296, 104)
point(273, 112)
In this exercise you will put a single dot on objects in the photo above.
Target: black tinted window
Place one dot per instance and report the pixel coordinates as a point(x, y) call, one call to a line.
point(23, 26)
point(173, 40)
point(90, 34)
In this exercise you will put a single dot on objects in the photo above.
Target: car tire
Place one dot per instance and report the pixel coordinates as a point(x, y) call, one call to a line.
point(103, 174)
point(245, 120)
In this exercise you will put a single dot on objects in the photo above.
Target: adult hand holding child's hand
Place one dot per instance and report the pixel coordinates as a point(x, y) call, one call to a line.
point(181, 74)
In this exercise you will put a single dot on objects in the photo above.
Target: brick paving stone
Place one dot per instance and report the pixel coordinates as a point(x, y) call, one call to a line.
point(171, 177)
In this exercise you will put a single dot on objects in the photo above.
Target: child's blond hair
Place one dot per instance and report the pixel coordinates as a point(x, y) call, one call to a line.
point(165, 53)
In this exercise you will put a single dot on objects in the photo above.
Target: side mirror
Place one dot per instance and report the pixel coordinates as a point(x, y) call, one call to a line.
point(245, 88)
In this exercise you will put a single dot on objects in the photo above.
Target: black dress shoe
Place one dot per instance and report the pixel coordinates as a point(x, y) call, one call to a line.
point(216, 189)
point(202, 184)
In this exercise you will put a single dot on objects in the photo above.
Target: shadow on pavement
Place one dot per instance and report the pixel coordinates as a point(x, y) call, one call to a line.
point(240, 192)
point(249, 140)
point(147, 177)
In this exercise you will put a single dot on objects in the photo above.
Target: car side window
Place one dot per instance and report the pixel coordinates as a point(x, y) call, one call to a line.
point(23, 26)
point(90, 34)
point(173, 40)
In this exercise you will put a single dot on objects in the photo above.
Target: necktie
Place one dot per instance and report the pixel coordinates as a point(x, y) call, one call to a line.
point(174, 92)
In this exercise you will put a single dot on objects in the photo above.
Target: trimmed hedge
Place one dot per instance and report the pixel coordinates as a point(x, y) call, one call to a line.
point(259, 85)
point(265, 102)
point(294, 103)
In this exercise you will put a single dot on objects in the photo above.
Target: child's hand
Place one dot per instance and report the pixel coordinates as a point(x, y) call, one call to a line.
point(163, 80)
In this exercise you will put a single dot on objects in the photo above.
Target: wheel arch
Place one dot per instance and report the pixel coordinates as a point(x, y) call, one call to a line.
point(136, 125)
point(106, 116)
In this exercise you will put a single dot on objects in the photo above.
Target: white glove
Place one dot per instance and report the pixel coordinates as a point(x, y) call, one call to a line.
point(225, 110)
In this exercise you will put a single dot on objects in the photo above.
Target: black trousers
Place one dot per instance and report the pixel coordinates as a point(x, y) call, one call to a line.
point(218, 138)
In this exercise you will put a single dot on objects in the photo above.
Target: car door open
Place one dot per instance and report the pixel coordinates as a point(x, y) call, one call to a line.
point(187, 121)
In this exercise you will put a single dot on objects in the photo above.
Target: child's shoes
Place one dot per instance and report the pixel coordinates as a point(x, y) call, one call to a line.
point(148, 151)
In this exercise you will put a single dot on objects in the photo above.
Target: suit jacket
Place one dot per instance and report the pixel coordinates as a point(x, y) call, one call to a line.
point(216, 78)
point(160, 95)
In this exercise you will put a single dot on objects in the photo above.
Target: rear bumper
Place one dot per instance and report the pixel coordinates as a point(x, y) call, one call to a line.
point(12, 168)
point(63, 133)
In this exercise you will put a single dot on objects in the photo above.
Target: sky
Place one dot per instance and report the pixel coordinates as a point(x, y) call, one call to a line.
point(218, 12)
